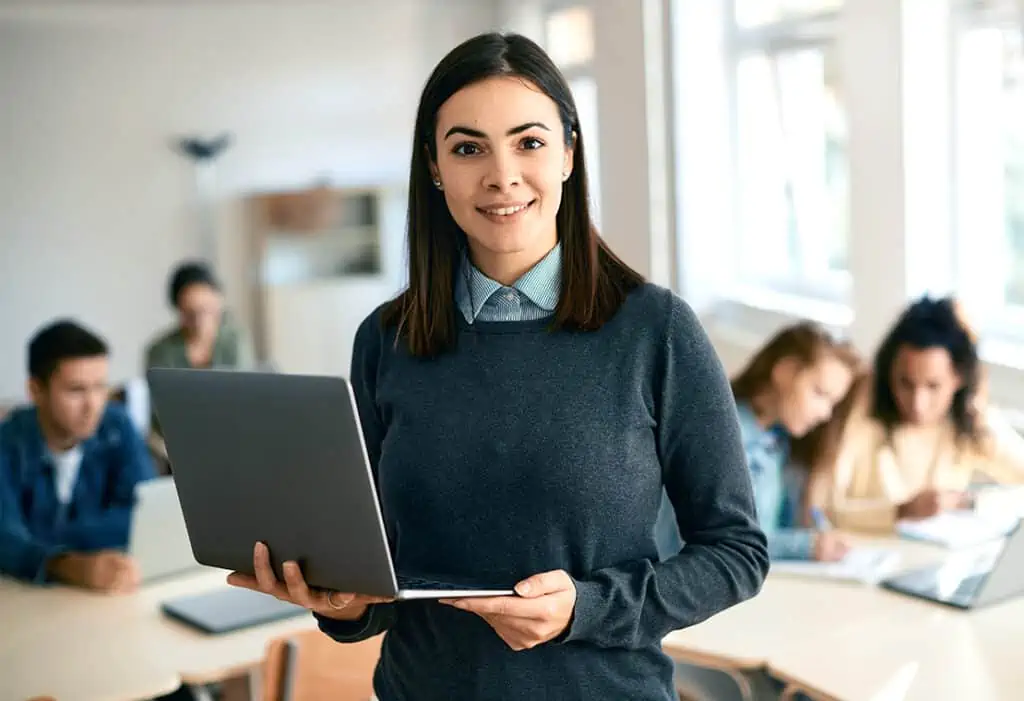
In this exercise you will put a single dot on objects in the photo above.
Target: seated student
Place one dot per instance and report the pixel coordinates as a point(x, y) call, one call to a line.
point(205, 336)
point(793, 398)
point(787, 398)
point(68, 469)
point(925, 431)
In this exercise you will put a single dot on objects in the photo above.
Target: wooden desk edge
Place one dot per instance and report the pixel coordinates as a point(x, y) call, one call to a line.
point(681, 653)
point(793, 683)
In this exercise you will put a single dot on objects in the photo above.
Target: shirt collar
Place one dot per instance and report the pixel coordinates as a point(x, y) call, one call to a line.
point(541, 284)
point(31, 433)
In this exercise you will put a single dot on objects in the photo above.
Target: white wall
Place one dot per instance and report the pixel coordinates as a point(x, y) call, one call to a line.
point(95, 205)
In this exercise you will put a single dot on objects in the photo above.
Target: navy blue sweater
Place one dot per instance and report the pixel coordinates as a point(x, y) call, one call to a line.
point(526, 450)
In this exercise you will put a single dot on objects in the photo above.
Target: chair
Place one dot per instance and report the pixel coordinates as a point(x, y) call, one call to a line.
point(310, 666)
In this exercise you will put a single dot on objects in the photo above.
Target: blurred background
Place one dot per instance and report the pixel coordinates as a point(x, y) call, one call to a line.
point(767, 159)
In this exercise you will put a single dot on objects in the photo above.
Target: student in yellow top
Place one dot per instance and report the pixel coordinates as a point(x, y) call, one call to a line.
point(924, 432)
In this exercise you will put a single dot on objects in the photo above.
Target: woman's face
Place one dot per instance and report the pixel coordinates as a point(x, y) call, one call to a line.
point(199, 311)
point(501, 160)
point(924, 382)
point(808, 394)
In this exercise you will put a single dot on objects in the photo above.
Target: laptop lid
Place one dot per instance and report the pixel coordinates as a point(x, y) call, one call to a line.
point(970, 579)
point(275, 458)
point(1006, 578)
point(159, 541)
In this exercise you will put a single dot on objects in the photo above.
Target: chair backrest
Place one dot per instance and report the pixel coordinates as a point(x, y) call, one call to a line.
point(310, 666)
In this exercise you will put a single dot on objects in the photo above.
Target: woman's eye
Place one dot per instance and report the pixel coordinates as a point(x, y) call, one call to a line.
point(531, 143)
point(466, 149)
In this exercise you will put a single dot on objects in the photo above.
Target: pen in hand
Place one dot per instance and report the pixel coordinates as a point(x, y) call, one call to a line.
point(828, 545)
point(821, 522)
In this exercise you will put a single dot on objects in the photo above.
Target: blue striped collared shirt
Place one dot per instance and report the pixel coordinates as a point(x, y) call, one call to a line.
point(533, 296)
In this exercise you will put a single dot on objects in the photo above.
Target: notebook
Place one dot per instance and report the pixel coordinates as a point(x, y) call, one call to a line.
point(865, 565)
point(959, 529)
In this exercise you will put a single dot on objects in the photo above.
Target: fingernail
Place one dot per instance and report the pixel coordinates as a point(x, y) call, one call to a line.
point(523, 588)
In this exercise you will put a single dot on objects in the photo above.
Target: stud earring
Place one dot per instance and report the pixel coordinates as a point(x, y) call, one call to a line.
point(437, 184)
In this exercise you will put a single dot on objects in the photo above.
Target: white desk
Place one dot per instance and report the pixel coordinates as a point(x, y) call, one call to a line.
point(853, 642)
point(77, 645)
point(925, 655)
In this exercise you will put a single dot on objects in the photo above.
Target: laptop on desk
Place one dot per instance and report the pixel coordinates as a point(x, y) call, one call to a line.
point(281, 459)
point(159, 541)
point(970, 580)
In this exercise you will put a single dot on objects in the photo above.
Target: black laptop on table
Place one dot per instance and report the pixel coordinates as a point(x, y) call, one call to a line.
point(281, 459)
point(972, 580)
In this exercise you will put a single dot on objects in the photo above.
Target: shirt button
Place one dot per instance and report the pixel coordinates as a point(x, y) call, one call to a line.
point(510, 295)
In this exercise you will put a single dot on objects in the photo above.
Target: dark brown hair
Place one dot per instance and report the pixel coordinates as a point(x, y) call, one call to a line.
point(594, 281)
point(807, 343)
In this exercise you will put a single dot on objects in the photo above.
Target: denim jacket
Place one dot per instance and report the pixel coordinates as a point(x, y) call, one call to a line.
point(34, 525)
point(778, 489)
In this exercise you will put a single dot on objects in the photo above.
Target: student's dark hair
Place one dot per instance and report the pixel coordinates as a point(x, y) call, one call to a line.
point(932, 323)
point(595, 282)
point(59, 341)
point(807, 343)
point(187, 274)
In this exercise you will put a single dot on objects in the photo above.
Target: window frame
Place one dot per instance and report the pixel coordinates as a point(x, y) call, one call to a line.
point(780, 292)
point(1001, 322)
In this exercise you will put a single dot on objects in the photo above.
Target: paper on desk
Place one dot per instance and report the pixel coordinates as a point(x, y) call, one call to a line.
point(865, 565)
point(959, 529)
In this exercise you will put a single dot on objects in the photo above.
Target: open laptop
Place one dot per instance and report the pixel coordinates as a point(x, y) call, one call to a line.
point(159, 539)
point(970, 580)
point(281, 459)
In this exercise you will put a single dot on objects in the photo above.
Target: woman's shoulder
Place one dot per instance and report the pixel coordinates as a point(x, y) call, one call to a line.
point(372, 329)
point(652, 305)
point(164, 340)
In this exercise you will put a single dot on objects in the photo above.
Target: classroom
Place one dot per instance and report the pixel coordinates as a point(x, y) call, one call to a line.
point(663, 368)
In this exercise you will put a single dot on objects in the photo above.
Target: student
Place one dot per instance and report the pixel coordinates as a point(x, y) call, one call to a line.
point(525, 402)
point(793, 398)
point(926, 431)
point(68, 469)
point(205, 336)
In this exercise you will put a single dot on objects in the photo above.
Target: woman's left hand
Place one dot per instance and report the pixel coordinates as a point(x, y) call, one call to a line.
point(541, 612)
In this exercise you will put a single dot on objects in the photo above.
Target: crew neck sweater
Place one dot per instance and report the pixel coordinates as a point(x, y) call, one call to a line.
point(524, 450)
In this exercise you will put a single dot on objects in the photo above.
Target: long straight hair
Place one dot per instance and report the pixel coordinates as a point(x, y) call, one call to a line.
point(595, 282)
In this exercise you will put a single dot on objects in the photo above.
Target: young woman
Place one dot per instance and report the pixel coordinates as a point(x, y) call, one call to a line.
point(525, 402)
point(926, 431)
point(793, 398)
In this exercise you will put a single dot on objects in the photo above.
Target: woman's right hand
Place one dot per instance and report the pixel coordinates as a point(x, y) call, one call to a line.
point(830, 546)
point(931, 502)
point(331, 604)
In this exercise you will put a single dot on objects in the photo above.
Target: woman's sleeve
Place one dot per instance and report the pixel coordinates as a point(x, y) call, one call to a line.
point(366, 354)
point(1006, 464)
point(874, 514)
point(725, 557)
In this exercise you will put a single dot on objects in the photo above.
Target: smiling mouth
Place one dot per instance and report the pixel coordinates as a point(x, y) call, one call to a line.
point(505, 211)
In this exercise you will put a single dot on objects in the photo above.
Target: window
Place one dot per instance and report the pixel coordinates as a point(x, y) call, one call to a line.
point(750, 13)
point(569, 36)
point(989, 137)
point(790, 183)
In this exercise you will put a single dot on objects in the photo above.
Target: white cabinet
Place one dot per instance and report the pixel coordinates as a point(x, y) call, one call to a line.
point(321, 260)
